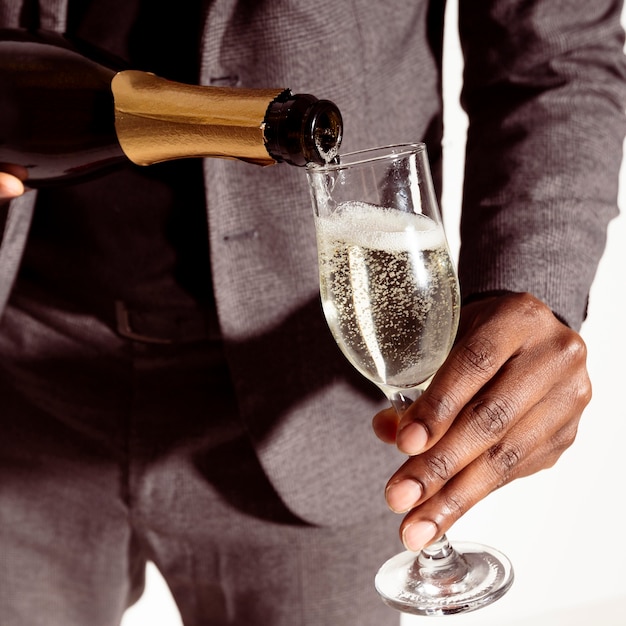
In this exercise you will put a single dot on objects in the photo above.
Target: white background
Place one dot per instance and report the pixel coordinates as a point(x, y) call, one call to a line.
point(564, 529)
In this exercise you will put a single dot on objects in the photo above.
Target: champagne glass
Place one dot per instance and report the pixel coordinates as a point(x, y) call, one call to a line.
point(390, 296)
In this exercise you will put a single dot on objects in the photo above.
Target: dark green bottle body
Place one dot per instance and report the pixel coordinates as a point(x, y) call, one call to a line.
point(56, 109)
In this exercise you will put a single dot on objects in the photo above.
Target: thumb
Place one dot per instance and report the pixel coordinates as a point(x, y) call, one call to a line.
point(10, 186)
point(385, 425)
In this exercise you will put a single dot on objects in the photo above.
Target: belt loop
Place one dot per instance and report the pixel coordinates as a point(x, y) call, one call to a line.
point(124, 328)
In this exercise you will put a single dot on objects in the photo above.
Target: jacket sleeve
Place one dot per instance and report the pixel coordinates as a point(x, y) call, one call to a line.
point(545, 93)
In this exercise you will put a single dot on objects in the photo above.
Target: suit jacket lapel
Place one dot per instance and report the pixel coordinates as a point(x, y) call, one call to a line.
point(17, 216)
point(52, 13)
point(16, 224)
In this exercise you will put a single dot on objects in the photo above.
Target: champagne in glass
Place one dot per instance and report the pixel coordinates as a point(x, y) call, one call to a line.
point(390, 295)
point(389, 292)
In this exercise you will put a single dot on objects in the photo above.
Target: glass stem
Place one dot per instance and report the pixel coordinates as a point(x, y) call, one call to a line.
point(401, 401)
point(441, 561)
point(438, 550)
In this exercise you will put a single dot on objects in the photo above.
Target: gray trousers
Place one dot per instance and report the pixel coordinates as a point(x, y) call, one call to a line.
point(114, 452)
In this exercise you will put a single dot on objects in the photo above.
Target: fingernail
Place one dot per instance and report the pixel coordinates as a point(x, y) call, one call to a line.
point(415, 536)
point(403, 495)
point(412, 439)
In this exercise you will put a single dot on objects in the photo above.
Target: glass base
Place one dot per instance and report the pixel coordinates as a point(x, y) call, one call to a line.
point(442, 580)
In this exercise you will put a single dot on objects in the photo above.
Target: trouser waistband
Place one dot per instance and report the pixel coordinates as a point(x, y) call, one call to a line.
point(155, 323)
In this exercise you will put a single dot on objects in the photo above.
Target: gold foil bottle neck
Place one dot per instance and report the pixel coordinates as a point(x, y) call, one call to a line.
point(160, 120)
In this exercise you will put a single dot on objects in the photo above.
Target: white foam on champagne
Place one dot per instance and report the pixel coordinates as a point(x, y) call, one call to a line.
point(377, 228)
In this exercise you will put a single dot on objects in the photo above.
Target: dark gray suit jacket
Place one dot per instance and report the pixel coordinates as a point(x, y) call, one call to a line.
point(544, 91)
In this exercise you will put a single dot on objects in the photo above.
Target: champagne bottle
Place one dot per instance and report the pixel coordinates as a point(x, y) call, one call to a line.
point(69, 111)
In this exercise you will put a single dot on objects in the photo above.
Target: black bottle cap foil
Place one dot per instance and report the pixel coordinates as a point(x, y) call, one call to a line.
point(300, 129)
